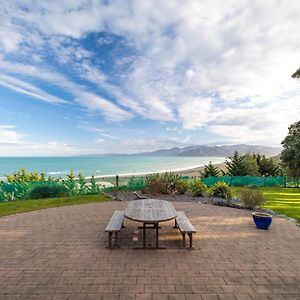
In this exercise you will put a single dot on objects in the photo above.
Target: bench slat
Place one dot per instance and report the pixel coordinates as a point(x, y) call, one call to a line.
point(115, 222)
point(184, 223)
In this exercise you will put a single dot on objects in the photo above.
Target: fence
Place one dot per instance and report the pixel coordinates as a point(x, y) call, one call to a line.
point(246, 180)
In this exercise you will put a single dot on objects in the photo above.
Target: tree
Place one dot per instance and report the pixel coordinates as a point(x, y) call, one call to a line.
point(210, 170)
point(290, 155)
point(296, 74)
point(236, 166)
point(266, 166)
point(251, 165)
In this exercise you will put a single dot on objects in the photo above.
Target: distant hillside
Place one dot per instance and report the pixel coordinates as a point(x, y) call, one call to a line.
point(221, 151)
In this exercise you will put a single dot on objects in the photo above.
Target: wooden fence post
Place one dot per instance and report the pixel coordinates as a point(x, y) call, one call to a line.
point(117, 184)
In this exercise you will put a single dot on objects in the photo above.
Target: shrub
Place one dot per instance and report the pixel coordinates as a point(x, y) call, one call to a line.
point(197, 188)
point(161, 183)
point(181, 186)
point(22, 176)
point(155, 184)
point(93, 187)
point(71, 184)
point(221, 190)
point(46, 190)
point(251, 197)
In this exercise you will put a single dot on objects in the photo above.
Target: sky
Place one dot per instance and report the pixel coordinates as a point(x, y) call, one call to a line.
point(91, 77)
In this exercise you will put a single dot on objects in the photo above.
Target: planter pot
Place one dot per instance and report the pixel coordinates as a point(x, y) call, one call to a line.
point(262, 220)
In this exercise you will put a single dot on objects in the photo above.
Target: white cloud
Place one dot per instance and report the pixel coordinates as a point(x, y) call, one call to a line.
point(221, 66)
point(84, 98)
point(29, 90)
point(8, 134)
point(96, 103)
point(196, 113)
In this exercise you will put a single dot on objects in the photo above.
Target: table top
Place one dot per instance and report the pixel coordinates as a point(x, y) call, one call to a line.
point(150, 210)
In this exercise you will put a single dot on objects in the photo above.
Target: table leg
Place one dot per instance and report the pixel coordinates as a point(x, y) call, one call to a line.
point(144, 235)
point(156, 227)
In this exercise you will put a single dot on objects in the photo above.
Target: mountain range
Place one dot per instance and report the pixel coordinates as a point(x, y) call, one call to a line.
point(220, 151)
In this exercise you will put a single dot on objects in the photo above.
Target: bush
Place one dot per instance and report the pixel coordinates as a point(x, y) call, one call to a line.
point(197, 188)
point(251, 197)
point(181, 186)
point(161, 184)
point(221, 190)
point(46, 190)
point(22, 176)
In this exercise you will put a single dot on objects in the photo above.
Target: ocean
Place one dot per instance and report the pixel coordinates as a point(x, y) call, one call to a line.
point(101, 165)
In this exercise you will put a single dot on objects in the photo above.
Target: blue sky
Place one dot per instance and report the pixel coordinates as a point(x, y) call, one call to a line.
point(84, 77)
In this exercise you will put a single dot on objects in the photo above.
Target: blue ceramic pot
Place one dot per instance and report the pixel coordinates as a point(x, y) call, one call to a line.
point(262, 220)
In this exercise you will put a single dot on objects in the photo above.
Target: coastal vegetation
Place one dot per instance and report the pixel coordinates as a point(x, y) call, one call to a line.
point(24, 185)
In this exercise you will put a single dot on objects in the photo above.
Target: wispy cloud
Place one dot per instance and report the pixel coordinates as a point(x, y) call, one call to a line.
point(8, 134)
point(226, 73)
point(29, 90)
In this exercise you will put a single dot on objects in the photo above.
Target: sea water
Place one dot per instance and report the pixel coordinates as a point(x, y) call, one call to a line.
point(101, 165)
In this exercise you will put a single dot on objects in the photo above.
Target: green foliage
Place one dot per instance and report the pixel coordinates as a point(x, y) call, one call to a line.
point(236, 166)
point(197, 188)
point(181, 186)
point(71, 184)
point(13, 191)
point(82, 188)
point(166, 183)
point(290, 155)
point(266, 166)
point(251, 197)
point(251, 166)
point(210, 170)
point(46, 190)
point(22, 176)
point(94, 187)
point(221, 190)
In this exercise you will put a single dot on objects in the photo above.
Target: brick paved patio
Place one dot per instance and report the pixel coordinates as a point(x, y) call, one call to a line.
point(60, 253)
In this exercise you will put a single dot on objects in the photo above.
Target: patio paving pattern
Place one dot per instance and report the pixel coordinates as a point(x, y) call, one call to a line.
point(60, 253)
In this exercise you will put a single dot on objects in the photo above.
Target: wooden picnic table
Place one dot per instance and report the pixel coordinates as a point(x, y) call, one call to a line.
point(150, 212)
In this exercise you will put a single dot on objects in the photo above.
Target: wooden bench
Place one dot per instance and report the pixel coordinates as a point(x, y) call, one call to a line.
point(114, 226)
point(185, 226)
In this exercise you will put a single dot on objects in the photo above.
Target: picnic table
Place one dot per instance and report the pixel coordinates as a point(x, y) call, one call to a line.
point(150, 212)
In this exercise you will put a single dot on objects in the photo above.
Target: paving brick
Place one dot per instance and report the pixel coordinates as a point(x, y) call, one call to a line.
point(210, 297)
point(143, 297)
point(61, 252)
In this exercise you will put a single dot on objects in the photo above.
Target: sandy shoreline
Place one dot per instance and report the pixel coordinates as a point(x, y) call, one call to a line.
point(196, 172)
point(193, 172)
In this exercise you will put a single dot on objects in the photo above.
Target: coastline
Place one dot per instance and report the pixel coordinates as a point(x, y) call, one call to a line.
point(191, 172)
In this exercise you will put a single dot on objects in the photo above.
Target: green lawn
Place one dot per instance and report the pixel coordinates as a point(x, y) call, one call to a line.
point(285, 201)
point(13, 207)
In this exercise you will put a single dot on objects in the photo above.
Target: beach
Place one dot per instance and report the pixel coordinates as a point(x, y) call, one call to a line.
point(192, 173)
point(196, 172)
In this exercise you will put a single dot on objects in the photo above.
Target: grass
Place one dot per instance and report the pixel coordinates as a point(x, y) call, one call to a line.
point(285, 201)
point(13, 207)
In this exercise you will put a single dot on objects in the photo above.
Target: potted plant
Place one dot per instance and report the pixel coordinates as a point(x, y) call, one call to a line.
point(262, 220)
